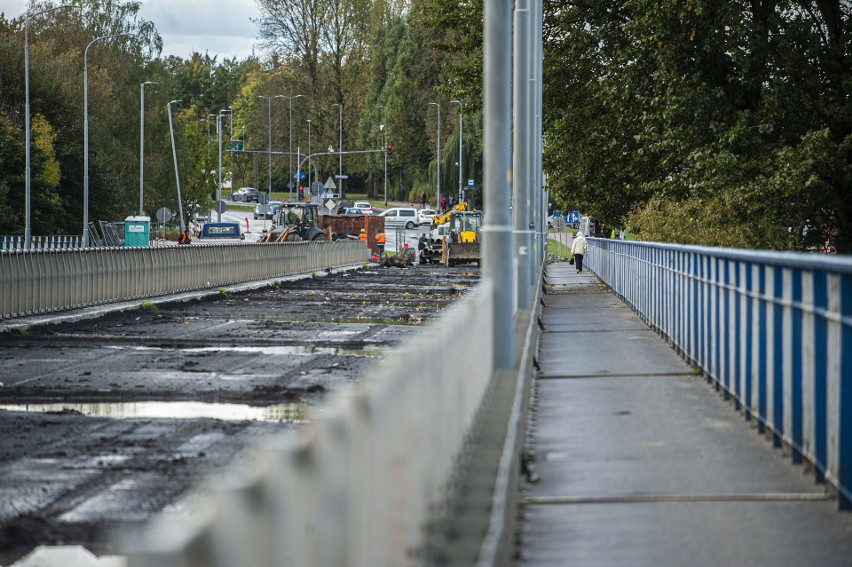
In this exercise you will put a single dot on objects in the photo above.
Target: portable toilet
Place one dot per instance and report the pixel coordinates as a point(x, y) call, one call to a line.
point(137, 231)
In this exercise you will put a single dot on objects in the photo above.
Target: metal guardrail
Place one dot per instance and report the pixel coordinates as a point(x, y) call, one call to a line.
point(773, 329)
point(360, 485)
point(41, 281)
point(41, 242)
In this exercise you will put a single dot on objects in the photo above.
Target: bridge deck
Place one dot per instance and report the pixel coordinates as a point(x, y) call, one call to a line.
point(642, 463)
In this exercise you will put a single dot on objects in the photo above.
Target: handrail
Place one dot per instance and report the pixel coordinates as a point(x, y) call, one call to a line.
point(772, 329)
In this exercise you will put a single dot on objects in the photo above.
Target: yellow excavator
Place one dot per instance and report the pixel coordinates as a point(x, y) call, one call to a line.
point(463, 243)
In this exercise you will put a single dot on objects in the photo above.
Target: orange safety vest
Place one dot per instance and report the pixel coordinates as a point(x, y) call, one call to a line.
point(380, 238)
point(364, 236)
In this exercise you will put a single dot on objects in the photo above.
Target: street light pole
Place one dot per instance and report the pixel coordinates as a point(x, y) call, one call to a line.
point(142, 146)
point(28, 199)
point(385, 148)
point(86, 135)
point(340, 147)
point(177, 177)
point(219, 193)
point(438, 174)
point(309, 157)
point(269, 146)
point(460, 148)
point(290, 150)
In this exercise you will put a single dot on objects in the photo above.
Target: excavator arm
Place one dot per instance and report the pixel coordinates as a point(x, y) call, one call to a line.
point(444, 218)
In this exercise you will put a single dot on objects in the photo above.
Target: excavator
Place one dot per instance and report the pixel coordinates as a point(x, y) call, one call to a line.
point(294, 222)
point(463, 243)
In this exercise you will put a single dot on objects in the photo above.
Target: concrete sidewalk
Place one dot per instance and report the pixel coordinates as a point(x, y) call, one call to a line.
point(643, 464)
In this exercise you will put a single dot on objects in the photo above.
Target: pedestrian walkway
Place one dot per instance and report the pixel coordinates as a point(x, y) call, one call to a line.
point(642, 463)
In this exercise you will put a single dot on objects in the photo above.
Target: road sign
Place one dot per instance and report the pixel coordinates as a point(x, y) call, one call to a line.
point(220, 207)
point(316, 187)
point(573, 217)
point(330, 205)
point(329, 184)
point(164, 215)
point(341, 177)
point(299, 175)
point(470, 183)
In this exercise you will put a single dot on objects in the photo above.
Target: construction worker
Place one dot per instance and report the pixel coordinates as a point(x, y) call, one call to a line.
point(363, 236)
point(380, 241)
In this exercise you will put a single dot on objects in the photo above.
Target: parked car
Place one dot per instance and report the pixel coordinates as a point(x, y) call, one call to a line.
point(400, 217)
point(271, 207)
point(365, 207)
point(424, 216)
point(342, 206)
point(246, 195)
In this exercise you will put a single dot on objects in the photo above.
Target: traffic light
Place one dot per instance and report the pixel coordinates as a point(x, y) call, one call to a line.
point(390, 151)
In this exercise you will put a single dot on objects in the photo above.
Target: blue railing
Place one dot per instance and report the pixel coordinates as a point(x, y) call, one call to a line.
point(772, 329)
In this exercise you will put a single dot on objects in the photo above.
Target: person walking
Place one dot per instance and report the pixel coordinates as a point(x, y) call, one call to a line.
point(423, 200)
point(380, 241)
point(579, 248)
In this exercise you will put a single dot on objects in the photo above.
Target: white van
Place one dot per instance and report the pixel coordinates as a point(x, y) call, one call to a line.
point(400, 217)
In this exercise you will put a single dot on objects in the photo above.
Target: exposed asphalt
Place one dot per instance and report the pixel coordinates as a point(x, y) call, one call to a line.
point(217, 372)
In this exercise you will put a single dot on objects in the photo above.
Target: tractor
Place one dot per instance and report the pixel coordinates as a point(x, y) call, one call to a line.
point(295, 222)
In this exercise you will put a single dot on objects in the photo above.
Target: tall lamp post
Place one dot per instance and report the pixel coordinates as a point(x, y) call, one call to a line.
point(174, 155)
point(340, 147)
point(219, 132)
point(439, 152)
point(309, 157)
point(28, 231)
point(290, 149)
point(142, 146)
point(86, 134)
point(385, 148)
point(460, 197)
point(269, 100)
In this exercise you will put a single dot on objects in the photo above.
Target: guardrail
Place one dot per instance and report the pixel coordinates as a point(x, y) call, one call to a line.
point(41, 242)
point(40, 281)
point(772, 329)
point(366, 475)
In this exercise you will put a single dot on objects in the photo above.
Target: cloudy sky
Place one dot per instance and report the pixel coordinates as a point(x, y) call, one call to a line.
point(218, 27)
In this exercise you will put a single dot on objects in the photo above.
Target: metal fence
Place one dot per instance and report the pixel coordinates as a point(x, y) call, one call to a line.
point(41, 242)
point(41, 281)
point(359, 486)
point(773, 329)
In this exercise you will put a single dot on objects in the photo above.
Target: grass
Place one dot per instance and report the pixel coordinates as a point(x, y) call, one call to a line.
point(225, 293)
point(557, 248)
point(148, 306)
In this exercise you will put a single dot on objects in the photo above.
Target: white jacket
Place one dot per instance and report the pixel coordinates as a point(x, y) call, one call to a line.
point(579, 245)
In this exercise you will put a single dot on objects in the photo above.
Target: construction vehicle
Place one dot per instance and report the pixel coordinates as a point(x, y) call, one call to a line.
point(462, 244)
point(294, 222)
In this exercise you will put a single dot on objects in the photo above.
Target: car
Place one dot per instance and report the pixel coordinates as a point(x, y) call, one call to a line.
point(353, 211)
point(365, 207)
point(271, 207)
point(424, 216)
point(246, 195)
point(342, 206)
point(400, 217)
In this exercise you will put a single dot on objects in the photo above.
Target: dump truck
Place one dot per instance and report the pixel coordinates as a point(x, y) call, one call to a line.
point(462, 244)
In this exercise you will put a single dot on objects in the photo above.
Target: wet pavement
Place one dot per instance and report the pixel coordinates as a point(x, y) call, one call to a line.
point(642, 463)
point(111, 419)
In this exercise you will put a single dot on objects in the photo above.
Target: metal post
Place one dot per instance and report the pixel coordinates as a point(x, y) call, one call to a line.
point(438, 171)
point(290, 150)
point(177, 177)
point(497, 119)
point(521, 157)
point(28, 231)
point(219, 188)
point(340, 147)
point(86, 135)
point(142, 146)
point(460, 148)
point(385, 148)
point(309, 155)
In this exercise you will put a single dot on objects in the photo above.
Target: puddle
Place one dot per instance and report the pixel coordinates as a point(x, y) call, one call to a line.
point(272, 350)
point(293, 412)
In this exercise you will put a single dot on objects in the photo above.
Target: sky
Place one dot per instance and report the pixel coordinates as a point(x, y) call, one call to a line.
point(219, 27)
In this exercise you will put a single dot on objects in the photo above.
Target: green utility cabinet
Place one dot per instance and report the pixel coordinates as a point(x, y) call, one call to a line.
point(137, 231)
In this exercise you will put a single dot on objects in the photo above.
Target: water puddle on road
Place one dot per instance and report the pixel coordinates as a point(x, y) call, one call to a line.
point(293, 412)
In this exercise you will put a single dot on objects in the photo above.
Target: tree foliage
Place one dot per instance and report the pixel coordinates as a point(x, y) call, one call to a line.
point(702, 121)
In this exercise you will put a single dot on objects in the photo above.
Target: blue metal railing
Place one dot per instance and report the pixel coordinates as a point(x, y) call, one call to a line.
point(772, 329)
